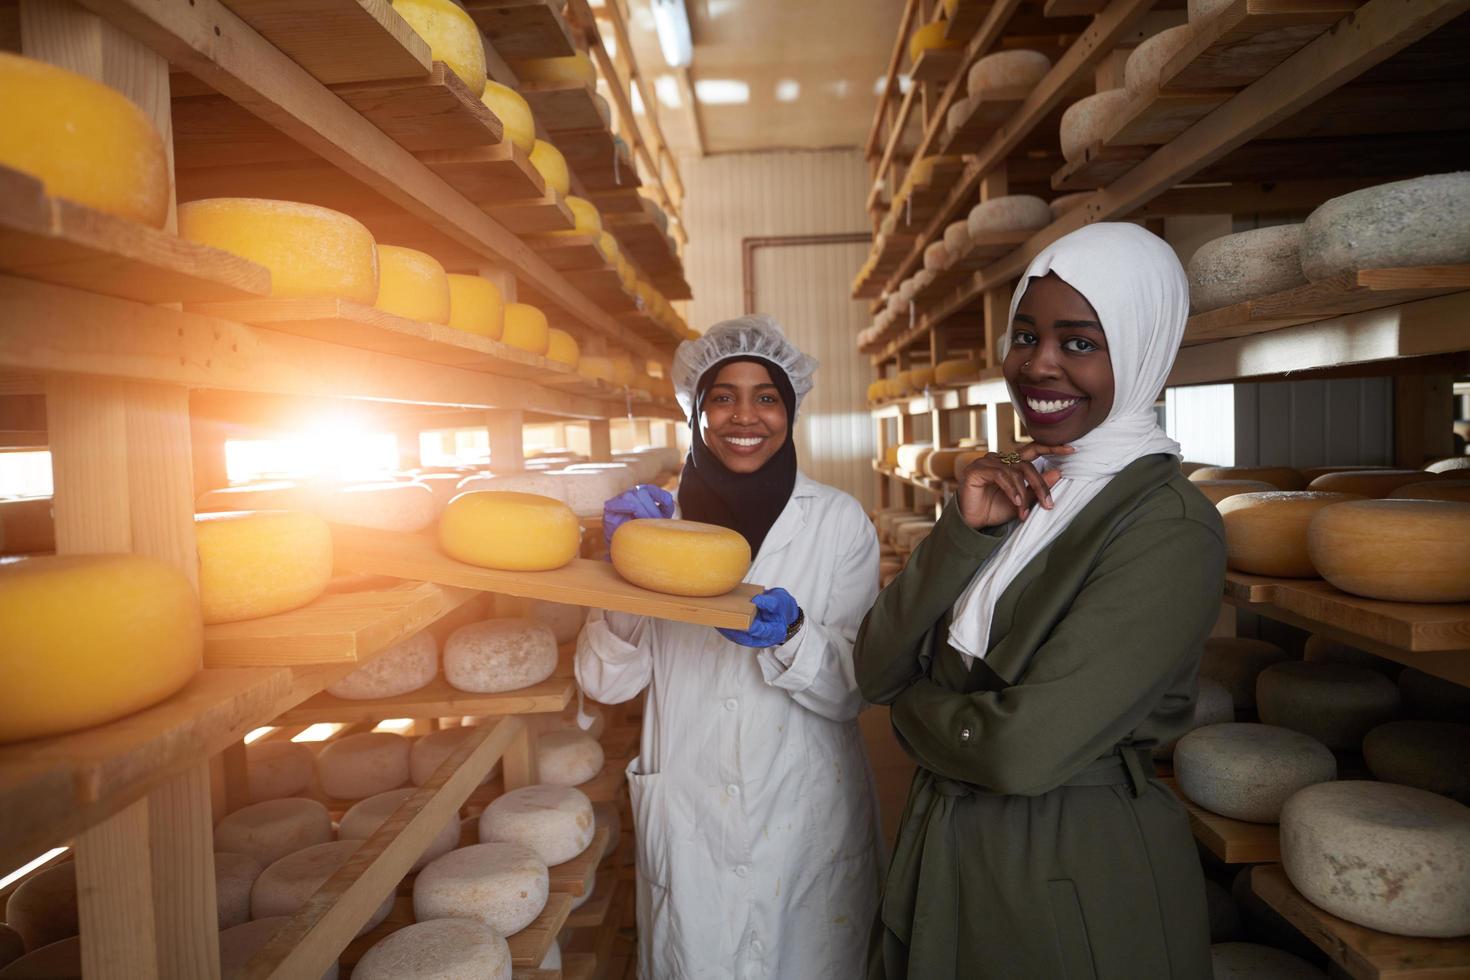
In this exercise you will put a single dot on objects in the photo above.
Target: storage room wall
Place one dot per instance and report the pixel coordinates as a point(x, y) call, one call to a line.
point(736, 196)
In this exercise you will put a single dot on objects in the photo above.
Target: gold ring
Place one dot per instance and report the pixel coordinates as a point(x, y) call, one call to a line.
point(1009, 458)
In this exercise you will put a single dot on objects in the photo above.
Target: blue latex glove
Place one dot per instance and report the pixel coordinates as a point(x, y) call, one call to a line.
point(776, 611)
point(644, 500)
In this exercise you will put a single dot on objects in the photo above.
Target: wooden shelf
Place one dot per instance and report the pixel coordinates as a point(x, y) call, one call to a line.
point(339, 40)
point(523, 29)
point(489, 175)
point(937, 65)
point(1365, 954)
point(985, 115)
point(561, 106)
point(534, 216)
point(436, 700)
point(1232, 841)
point(602, 286)
point(927, 484)
point(570, 877)
point(527, 947)
point(570, 253)
point(600, 161)
point(581, 582)
point(577, 966)
point(433, 112)
point(654, 252)
point(593, 912)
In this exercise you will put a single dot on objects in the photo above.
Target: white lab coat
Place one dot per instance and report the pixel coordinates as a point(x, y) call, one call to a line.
point(758, 848)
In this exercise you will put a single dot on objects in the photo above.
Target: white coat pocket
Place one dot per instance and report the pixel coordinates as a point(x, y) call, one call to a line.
point(650, 823)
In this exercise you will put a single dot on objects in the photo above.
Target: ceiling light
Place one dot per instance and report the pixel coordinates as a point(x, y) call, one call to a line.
point(721, 91)
point(666, 90)
point(671, 23)
point(788, 90)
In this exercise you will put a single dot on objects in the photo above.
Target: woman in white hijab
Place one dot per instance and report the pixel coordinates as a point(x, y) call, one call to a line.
point(1042, 640)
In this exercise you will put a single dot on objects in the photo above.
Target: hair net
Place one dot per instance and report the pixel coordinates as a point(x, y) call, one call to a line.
point(758, 335)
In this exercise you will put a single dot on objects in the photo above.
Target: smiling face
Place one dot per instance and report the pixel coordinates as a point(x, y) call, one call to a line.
point(744, 421)
point(1058, 367)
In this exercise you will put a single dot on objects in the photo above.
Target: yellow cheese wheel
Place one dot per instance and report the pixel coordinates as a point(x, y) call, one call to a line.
point(890, 456)
point(1280, 477)
point(1368, 483)
point(1218, 490)
point(921, 378)
point(574, 68)
point(930, 37)
point(475, 306)
point(259, 563)
point(586, 216)
point(1401, 550)
point(552, 167)
point(1266, 532)
point(1442, 489)
point(877, 390)
point(452, 37)
point(562, 348)
point(680, 557)
point(412, 284)
point(957, 371)
point(526, 328)
point(85, 639)
point(311, 252)
point(514, 113)
point(596, 368)
point(903, 383)
point(608, 246)
point(83, 140)
point(940, 463)
point(519, 532)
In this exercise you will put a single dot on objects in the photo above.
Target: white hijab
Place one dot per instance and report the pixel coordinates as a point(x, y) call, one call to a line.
point(1138, 288)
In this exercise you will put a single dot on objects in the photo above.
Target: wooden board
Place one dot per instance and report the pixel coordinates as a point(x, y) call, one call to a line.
point(654, 252)
point(564, 105)
point(1248, 39)
point(937, 65)
point(574, 252)
point(498, 174)
point(1232, 841)
point(432, 112)
point(581, 582)
point(579, 966)
point(603, 287)
point(570, 877)
point(339, 40)
point(436, 700)
point(600, 162)
point(534, 216)
point(593, 912)
point(968, 15)
point(607, 785)
point(1155, 118)
point(1363, 953)
point(986, 114)
point(523, 29)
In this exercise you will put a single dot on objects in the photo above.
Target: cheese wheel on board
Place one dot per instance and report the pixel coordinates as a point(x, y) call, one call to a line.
point(550, 485)
point(404, 667)
point(1236, 661)
point(439, 949)
point(269, 831)
point(498, 655)
point(1266, 533)
point(680, 557)
point(277, 769)
point(1006, 70)
point(358, 766)
point(525, 328)
point(1429, 697)
point(364, 817)
point(564, 620)
point(1423, 221)
point(939, 464)
point(1212, 706)
point(502, 884)
point(1243, 266)
point(930, 37)
point(1310, 473)
point(911, 456)
point(406, 507)
point(1217, 490)
point(285, 885)
point(1280, 477)
point(59, 959)
point(1248, 772)
point(573, 68)
point(588, 490)
point(1067, 202)
point(1322, 649)
point(430, 751)
point(234, 876)
point(1250, 961)
point(1087, 122)
point(311, 252)
point(259, 563)
point(83, 140)
point(921, 378)
point(567, 757)
point(90, 638)
point(1145, 66)
point(586, 220)
point(1441, 489)
point(1357, 850)
point(1014, 212)
point(238, 946)
point(958, 370)
point(957, 238)
point(1449, 464)
point(518, 532)
point(452, 37)
point(1367, 483)
point(514, 113)
point(27, 526)
point(552, 166)
point(1400, 550)
point(43, 907)
point(1337, 704)
point(608, 246)
point(412, 284)
point(1429, 755)
point(555, 822)
point(475, 306)
point(937, 257)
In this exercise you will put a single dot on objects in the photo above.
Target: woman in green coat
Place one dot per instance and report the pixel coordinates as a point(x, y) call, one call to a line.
point(1041, 641)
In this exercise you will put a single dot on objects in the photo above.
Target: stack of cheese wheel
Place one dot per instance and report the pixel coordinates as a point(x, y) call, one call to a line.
point(939, 464)
point(1280, 477)
point(514, 113)
point(284, 887)
point(412, 284)
point(1369, 483)
point(406, 666)
point(1244, 266)
point(1006, 70)
point(937, 257)
point(921, 378)
point(1216, 491)
point(1236, 662)
point(269, 831)
point(259, 563)
point(407, 507)
point(364, 818)
point(1248, 772)
point(1266, 533)
point(568, 757)
point(430, 751)
point(476, 306)
point(1429, 755)
point(1337, 704)
point(1089, 121)
point(439, 949)
point(355, 767)
point(680, 557)
point(452, 37)
point(959, 370)
point(1014, 212)
point(510, 531)
point(1145, 65)
point(1400, 550)
point(554, 822)
point(1435, 489)
point(1419, 222)
point(497, 655)
point(277, 769)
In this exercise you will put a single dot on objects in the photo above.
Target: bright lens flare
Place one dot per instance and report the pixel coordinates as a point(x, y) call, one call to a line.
point(333, 448)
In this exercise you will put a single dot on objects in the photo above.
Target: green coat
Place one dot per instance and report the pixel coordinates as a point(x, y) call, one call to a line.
point(1036, 842)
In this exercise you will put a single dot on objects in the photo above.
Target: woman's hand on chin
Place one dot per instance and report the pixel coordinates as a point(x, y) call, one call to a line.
point(994, 491)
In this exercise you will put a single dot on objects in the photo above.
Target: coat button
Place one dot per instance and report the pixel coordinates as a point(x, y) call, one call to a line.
point(741, 870)
point(756, 947)
point(731, 704)
point(964, 734)
point(733, 790)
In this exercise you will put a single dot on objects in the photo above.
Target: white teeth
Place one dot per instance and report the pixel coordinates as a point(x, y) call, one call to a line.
point(1050, 407)
point(746, 442)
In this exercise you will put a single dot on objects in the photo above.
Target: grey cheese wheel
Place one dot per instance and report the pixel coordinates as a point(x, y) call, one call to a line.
point(1013, 212)
point(1358, 850)
point(555, 822)
point(1325, 650)
point(1430, 697)
point(234, 876)
point(503, 885)
point(957, 237)
point(43, 909)
point(1336, 704)
point(499, 655)
point(1089, 121)
point(567, 757)
point(565, 621)
point(361, 765)
point(269, 831)
point(1212, 706)
point(284, 887)
point(1236, 661)
point(277, 769)
point(404, 667)
point(440, 949)
point(430, 751)
point(363, 819)
point(1146, 62)
point(1247, 961)
point(1431, 755)
point(238, 946)
point(1006, 70)
point(1424, 221)
point(1248, 771)
point(1246, 265)
point(58, 959)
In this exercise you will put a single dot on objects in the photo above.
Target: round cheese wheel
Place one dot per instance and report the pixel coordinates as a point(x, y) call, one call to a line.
point(1218, 490)
point(906, 537)
point(959, 370)
point(1322, 649)
point(1067, 202)
point(499, 655)
point(1145, 65)
point(573, 68)
point(27, 526)
point(12, 947)
point(443, 486)
point(586, 223)
point(518, 532)
point(1212, 706)
point(1089, 121)
point(1423, 221)
point(259, 563)
point(1367, 483)
point(1006, 70)
point(312, 252)
point(1266, 533)
point(1358, 850)
point(404, 667)
point(500, 883)
point(921, 378)
point(939, 464)
point(234, 876)
point(475, 306)
point(285, 885)
point(407, 507)
point(555, 822)
point(1014, 212)
point(1249, 961)
point(608, 815)
point(1401, 550)
point(514, 113)
point(1430, 697)
point(1441, 489)
point(1449, 464)
point(1431, 755)
point(91, 638)
point(440, 949)
point(567, 757)
point(1243, 266)
point(1280, 477)
point(362, 765)
point(1236, 661)
point(238, 946)
point(957, 237)
point(452, 37)
point(412, 284)
point(550, 485)
point(680, 557)
point(1247, 772)
point(936, 256)
point(430, 751)
point(1337, 704)
point(565, 621)
point(525, 328)
point(911, 456)
point(586, 491)
point(552, 167)
point(608, 246)
point(269, 831)
point(277, 769)
point(82, 140)
point(43, 907)
point(363, 819)
point(60, 959)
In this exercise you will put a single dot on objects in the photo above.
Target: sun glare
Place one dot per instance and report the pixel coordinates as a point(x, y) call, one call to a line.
point(333, 448)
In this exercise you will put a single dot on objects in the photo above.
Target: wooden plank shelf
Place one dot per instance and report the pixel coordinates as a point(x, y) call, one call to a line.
point(433, 112)
point(581, 582)
point(967, 17)
point(643, 241)
point(499, 174)
point(339, 41)
point(937, 65)
point(593, 912)
point(1363, 953)
point(583, 386)
point(59, 241)
point(527, 947)
point(603, 287)
point(436, 700)
point(561, 106)
point(570, 253)
point(1232, 841)
point(600, 160)
point(986, 113)
point(534, 216)
point(924, 200)
point(577, 966)
point(927, 484)
point(523, 29)
point(570, 877)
